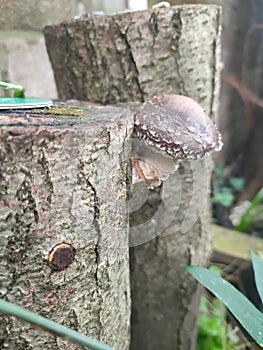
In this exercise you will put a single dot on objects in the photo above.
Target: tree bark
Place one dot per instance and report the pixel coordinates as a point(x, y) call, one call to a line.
point(165, 299)
point(63, 186)
point(131, 57)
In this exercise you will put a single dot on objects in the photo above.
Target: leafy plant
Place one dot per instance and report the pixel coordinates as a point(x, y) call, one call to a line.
point(224, 190)
point(252, 213)
point(50, 326)
point(213, 332)
point(244, 311)
point(236, 183)
point(225, 198)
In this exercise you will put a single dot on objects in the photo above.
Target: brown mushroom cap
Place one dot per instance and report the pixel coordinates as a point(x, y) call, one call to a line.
point(177, 126)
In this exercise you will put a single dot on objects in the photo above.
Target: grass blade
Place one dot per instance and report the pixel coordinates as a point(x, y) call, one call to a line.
point(50, 326)
point(244, 311)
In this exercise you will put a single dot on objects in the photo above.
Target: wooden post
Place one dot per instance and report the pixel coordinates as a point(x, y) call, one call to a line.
point(131, 57)
point(64, 223)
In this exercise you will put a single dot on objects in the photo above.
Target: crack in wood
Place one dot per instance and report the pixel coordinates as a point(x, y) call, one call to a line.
point(175, 48)
point(123, 35)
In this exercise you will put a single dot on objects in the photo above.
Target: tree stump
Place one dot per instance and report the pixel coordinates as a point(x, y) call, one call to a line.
point(64, 223)
point(132, 57)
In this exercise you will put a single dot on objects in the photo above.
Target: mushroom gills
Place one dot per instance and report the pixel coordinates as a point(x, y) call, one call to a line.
point(150, 165)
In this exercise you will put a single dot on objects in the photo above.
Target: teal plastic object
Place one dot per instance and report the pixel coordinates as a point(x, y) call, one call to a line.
point(23, 103)
point(13, 87)
point(19, 101)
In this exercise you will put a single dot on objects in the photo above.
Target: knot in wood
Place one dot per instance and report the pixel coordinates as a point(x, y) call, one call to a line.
point(61, 256)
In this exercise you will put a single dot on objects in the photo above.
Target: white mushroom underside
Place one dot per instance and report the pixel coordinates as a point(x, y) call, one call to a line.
point(150, 165)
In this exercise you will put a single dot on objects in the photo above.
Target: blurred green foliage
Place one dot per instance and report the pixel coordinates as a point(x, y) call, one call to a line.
point(224, 189)
point(253, 215)
point(213, 332)
point(241, 308)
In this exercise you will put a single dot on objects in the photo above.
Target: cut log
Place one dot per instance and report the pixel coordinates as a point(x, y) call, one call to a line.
point(132, 57)
point(64, 223)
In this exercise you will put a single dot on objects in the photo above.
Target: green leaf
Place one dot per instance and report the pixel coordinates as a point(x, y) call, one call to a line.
point(211, 326)
point(55, 328)
point(252, 213)
point(216, 269)
point(225, 199)
point(258, 273)
point(19, 93)
point(245, 312)
point(237, 183)
point(258, 198)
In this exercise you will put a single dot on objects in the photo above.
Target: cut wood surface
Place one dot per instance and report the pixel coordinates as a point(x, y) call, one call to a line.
point(131, 57)
point(64, 223)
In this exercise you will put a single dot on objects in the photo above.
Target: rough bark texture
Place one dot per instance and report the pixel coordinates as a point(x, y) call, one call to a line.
point(164, 298)
point(63, 180)
point(131, 57)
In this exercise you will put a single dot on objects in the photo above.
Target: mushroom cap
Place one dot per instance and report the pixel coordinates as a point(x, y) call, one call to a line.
point(177, 126)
